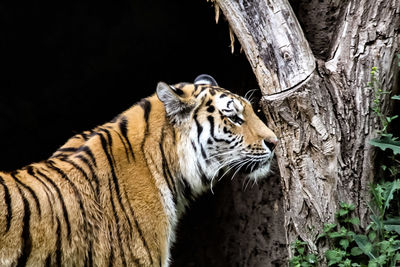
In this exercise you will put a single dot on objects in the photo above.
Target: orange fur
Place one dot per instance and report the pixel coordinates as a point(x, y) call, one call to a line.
point(112, 196)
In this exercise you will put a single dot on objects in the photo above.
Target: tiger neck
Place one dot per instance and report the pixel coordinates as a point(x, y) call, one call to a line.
point(142, 143)
point(167, 152)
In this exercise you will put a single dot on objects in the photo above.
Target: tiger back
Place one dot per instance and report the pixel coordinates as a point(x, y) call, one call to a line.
point(113, 196)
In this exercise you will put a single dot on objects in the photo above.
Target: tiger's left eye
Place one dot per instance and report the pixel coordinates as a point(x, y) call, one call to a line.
point(235, 119)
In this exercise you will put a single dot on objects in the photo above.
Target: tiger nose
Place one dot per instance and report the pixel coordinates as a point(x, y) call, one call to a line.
point(271, 143)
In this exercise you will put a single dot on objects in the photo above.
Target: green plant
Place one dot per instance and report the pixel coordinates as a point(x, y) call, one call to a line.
point(375, 85)
point(379, 244)
point(341, 238)
point(301, 257)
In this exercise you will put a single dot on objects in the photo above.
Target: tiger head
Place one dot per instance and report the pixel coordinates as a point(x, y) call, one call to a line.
point(220, 132)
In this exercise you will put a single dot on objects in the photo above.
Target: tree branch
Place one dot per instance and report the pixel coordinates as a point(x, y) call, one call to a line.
point(273, 41)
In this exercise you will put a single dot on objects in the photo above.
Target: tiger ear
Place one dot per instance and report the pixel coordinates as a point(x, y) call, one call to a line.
point(176, 107)
point(205, 79)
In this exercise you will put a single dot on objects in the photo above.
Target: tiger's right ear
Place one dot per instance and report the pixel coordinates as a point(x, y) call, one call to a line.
point(177, 108)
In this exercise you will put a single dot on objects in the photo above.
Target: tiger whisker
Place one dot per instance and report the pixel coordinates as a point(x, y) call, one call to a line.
point(237, 170)
point(230, 168)
point(223, 153)
point(251, 92)
point(224, 164)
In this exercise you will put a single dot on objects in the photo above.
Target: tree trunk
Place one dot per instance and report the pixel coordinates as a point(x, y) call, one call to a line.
point(315, 96)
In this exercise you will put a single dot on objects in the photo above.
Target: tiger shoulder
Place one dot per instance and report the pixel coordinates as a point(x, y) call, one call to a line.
point(112, 196)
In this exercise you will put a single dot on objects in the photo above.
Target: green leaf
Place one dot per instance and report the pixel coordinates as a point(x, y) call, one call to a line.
point(389, 191)
point(334, 256)
point(384, 246)
point(386, 142)
point(356, 251)
point(329, 226)
point(342, 212)
point(381, 259)
point(377, 193)
point(364, 244)
point(372, 236)
point(344, 243)
point(396, 97)
point(392, 224)
point(354, 221)
point(311, 258)
point(346, 263)
point(336, 235)
point(347, 206)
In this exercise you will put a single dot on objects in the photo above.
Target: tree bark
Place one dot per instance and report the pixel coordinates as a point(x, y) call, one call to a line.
point(315, 97)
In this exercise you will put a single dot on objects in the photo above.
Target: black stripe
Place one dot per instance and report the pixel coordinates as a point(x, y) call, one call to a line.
point(166, 171)
point(146, 106)
point(58, 244)
point(194, 146)
point(85, 135)
point(64, 209)
point(89, 261)
point(87, 151)
point(107, 143)
point(210, 109)
point(117, 223)
point(187, 190)
point(33, 194)
point(123, 127)
point(211, 120)
point(199, 127)
point(123, 143)
point(139, 231)
point(48, 261)
point(26, 241)
point(46, 190)
point(76, 166)
point(173, 136)
point(203, 153)
point(178, 91)
point(202, 175)
point(7, 199)
point(78, 196)
point(111, 257)
point(93, 174)
point(105, 146)
point(132, 251)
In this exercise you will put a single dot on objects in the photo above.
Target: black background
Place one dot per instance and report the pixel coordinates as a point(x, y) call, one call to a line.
point(69, 66)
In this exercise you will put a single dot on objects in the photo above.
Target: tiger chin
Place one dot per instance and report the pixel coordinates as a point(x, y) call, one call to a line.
point(112, 196)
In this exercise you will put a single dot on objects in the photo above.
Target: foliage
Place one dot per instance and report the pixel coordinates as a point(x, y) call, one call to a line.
point(379, 244)
point(301, 258)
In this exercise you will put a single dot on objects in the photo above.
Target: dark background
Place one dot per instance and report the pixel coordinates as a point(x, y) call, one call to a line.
point(67, 66)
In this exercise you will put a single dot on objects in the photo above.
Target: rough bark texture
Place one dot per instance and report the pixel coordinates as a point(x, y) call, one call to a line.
point(323, 118)
point(280, 60)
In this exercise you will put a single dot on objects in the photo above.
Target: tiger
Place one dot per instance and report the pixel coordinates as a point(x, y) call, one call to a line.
point(113, 195)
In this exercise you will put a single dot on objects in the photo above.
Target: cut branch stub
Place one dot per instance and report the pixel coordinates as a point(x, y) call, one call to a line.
point(273, 41)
